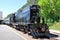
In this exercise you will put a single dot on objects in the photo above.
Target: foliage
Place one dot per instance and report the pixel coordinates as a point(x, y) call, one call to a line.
point(50, 9)
point(55, 26)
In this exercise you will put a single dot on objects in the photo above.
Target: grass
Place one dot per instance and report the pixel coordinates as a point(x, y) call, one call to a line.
point(55, 26)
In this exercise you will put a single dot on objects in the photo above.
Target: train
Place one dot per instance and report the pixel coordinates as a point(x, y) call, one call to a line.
point(6, 21)
point(28, 20)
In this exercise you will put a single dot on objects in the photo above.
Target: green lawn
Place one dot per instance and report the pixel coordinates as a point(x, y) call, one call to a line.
point(55, 26)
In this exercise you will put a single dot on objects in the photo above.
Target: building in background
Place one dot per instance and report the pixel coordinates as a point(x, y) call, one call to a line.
point(1, 16)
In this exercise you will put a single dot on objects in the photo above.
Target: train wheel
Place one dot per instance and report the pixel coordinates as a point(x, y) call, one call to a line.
point(25, 29)
point(33, 33)
point(17, 27)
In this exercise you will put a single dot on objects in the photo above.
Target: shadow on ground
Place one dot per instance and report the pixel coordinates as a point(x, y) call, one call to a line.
point(49, 36)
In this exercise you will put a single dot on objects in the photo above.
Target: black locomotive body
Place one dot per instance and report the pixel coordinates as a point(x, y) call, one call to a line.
point(28, 20)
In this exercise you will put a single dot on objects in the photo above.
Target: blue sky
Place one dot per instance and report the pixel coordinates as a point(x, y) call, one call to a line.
point(11, 6)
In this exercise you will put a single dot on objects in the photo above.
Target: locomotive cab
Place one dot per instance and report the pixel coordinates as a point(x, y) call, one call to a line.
point(35, 8)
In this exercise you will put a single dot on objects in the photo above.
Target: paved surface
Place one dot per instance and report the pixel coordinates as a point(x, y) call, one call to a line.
point(7, 34)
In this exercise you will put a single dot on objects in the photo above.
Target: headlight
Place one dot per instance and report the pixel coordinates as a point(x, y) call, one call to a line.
point(35, 22)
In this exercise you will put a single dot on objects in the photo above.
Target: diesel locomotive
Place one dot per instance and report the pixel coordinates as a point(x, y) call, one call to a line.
point(28, 20)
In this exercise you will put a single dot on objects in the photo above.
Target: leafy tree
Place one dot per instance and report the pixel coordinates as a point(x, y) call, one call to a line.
point(50, 9)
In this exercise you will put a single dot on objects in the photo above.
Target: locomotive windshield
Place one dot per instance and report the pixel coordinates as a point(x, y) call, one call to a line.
point(35, 8)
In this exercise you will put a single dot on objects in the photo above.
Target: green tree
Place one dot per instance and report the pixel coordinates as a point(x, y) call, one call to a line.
point(50, 9)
